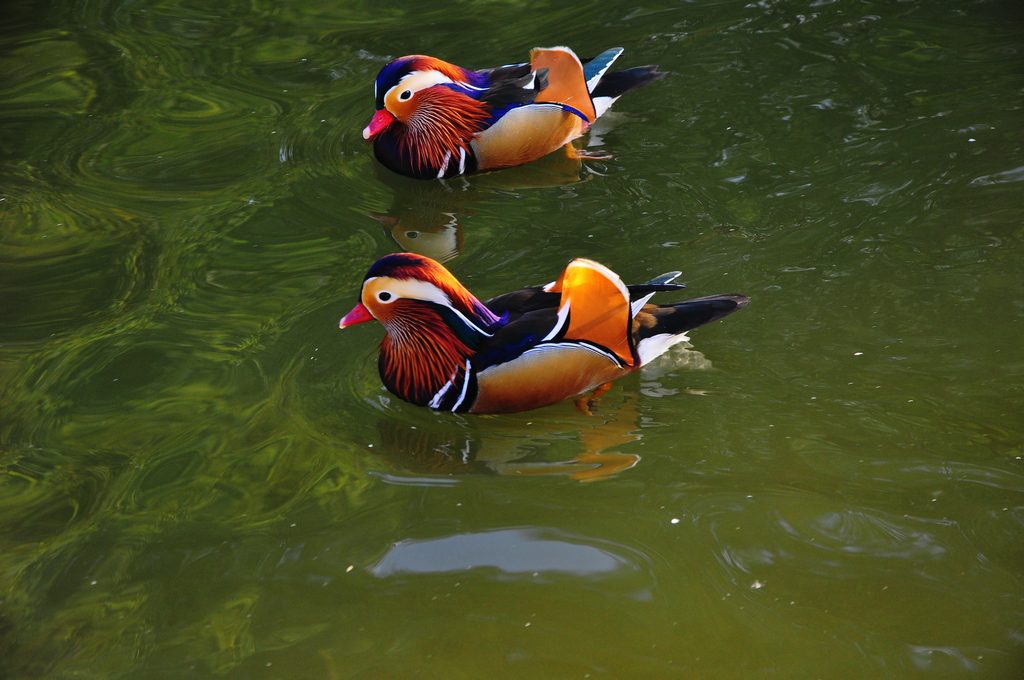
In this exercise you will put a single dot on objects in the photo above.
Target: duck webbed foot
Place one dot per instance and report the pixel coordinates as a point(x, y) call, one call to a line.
point(585, 155)
point(587, 402)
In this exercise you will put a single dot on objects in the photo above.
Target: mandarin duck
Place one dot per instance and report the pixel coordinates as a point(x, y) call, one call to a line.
point(445, 349)
point(437, 120)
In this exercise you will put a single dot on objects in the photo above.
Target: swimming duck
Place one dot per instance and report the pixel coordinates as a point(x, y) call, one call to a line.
point(445, 349)
point(435, 119)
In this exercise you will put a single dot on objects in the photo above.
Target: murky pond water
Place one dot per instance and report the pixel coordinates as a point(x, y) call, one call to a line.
point(201, 476)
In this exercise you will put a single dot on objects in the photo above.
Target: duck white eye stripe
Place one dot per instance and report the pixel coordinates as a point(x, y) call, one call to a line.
point(419, 80)
point(427, 292)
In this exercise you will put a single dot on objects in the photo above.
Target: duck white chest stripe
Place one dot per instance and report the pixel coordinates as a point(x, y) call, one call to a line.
point(443, 170)
point(435, 402)
point(444, 165)
point(465, 387)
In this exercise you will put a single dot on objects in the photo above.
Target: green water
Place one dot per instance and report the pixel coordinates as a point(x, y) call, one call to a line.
point(200, 476)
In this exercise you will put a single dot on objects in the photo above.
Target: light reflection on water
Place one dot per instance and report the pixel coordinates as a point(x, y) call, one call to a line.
point(528, 551)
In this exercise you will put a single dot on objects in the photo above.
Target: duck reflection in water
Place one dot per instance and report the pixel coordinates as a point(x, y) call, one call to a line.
point(428, 217)
point(525, 445)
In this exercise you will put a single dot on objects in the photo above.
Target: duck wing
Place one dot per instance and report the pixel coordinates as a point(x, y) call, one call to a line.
point(531, 299)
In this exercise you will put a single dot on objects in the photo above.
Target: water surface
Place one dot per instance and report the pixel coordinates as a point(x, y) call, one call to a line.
point(200, 476)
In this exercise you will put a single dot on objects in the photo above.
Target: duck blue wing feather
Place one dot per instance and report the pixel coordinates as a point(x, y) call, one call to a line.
point(515, 337)
point(595, 68)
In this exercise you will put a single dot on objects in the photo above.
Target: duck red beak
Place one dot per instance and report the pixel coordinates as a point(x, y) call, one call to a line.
point(381, 119)
point(359, 314)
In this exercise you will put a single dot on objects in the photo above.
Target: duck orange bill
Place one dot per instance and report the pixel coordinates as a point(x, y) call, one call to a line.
point(359, 314)
point(381, 119)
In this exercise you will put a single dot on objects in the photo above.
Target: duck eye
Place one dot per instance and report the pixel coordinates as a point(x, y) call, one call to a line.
point(383, 296)
point(405, 95)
